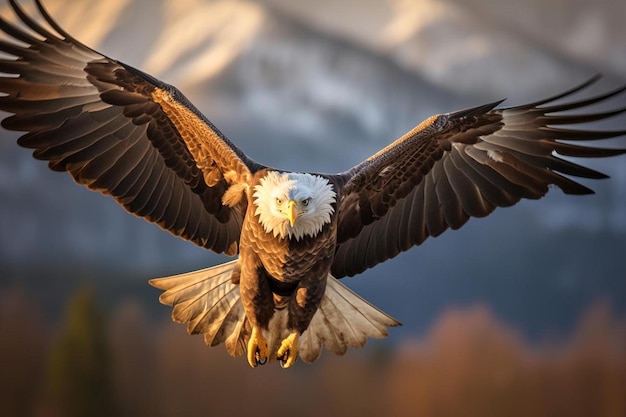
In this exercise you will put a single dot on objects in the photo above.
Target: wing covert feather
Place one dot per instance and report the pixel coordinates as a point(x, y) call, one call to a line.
point(121, 132)
point(460, 165)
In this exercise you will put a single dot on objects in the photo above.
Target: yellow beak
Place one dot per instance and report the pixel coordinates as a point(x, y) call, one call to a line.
point(292, 213)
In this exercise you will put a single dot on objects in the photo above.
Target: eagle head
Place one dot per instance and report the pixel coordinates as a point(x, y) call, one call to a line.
point(293, 205)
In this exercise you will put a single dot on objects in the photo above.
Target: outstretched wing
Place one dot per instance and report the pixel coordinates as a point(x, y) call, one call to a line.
point(461, 165)
point(121, 132)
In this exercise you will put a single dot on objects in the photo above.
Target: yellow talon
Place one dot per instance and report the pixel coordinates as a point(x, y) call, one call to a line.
point(258, 352)
point(288, 351)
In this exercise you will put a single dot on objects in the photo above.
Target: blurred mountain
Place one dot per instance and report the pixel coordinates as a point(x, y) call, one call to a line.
point(322, 85)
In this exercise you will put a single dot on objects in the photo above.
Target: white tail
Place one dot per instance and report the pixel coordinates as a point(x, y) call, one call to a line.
point(209, 302)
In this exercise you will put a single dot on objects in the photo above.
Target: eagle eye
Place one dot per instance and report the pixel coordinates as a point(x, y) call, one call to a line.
point(279, 201)
point(306, 202)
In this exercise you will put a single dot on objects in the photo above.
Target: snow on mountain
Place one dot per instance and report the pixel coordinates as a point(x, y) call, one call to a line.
point(326, 83)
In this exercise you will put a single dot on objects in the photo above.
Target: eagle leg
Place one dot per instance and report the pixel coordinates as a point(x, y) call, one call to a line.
point(288, 351)
point(258, 353)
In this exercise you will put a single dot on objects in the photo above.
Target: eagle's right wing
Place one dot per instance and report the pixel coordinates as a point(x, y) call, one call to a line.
point(121, 132)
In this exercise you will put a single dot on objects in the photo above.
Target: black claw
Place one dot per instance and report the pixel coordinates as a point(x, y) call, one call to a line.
point(283, 359)
point(257, 358)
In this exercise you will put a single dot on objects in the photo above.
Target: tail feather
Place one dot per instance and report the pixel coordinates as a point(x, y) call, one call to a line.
point(209, 302)
point(220, 320)
point(237, 332)
point(212, 317)
point(343, 320)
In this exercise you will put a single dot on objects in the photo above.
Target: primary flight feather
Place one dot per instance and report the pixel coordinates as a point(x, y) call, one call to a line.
point(126, 134)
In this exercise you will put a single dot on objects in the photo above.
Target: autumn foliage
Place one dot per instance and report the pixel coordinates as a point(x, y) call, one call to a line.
point(468, 364)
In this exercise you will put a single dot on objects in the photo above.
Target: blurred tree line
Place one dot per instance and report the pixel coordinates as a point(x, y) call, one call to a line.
point(468, 364)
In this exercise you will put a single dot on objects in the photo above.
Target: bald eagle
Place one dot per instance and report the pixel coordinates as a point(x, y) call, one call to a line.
point(120, 131)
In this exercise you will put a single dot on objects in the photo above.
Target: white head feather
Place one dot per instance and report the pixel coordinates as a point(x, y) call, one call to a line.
point(313, 194)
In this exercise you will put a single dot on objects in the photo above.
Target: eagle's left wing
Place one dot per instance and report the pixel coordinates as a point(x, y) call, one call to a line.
point(461, 165)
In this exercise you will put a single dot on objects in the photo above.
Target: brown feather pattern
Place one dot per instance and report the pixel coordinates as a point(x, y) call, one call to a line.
point(124, 133)
point(98, 119)
point(461, 165)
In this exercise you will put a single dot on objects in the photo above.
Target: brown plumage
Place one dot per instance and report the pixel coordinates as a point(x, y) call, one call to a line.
point(123, 133)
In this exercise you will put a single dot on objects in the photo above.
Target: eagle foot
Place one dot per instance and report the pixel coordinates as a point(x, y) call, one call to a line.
point(258, 358)
point(288, 351)
point(258, 353)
